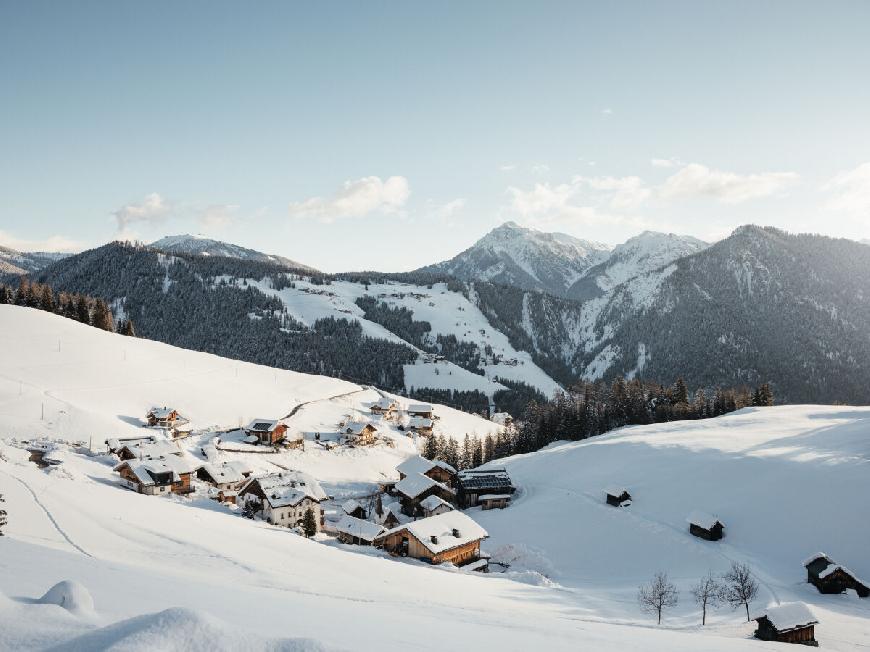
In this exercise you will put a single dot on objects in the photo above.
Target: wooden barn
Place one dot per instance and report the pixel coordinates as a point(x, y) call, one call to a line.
point(436, 469)
point(357, 531)
point(165, 417)
point(471, 484)
point(359, 433)
point(830, 577)
point(423, 410)
point(227, 476)
point(265, 431)
point(157, 476)
point(353, 508)
point(412, 490)
point(494, 501)
point(450, 537)
point(705, 526)
point(283, 498)
point(790, 622)
point(617, 496)
point(114, 444)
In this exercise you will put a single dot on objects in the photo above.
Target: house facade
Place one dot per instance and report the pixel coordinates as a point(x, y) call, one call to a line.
point(157, 477)
point(267, 432)
point(283, 498)
point(705, 526)
point(787, 623)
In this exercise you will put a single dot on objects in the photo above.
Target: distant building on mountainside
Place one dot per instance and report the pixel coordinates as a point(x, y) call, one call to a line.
point(420, 425)
point(830, 577)
point(359, 433)
point(148, 449)
point(705, 526)
point(423, 410)
point(385, 407)
point(165, 417)
point(787, 623)
point(450, 537)
point(158, 476)
point(617, 496)
point(358, 531)
point(471, 484)
point(265, 431)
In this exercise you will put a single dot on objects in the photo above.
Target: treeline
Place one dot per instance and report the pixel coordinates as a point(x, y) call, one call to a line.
point(80, 307)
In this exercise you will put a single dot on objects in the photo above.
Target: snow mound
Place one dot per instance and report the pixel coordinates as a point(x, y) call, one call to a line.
point(70, 595)
point(181, 630)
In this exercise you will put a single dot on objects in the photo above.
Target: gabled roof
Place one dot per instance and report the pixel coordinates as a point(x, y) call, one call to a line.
point(484, 479)
point(287, 488)
point(152, 449)
point(161, 412)
point(385, 403)
point(230, 471)
point(262, 425)
point(833, 568)
point(144, 469)
point(356, 527)
point(433, 502)
point(416, 483)
point(788, 616)
point(357, 427)
point(819, 555)
point(419, 407)
point(419, 464)
point(436, 533)
point(349, 506)
point(615, 490)
point(702, 519)
point(419, 422)
point(393, 508)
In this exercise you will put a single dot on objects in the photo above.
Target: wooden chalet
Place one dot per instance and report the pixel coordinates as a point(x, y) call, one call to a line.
point(142, 450)
point(165, 417)
point(830, 577)
point(114, 444)
point(353, 508)
point(423, 410)
point(617, 496)
point(265, 431)
point(283, 498)
point(226, 476)
point(357, 531)
point(389, 516)
point(413, 489)
point(438, 470)
point(385, 407)
point(359, 433)
point(157, 476)
point(420, 425)
point(705, 526)
point(790, 622)
point(434, 505)
point(494, 501)
point(450, 537)
point(471, 484)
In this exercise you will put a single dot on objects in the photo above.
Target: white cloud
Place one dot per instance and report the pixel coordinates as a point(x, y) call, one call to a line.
point(508, 167)
point(218, 216)
point(624, 192)
point(696, 180)
point(52, 243)
point(540, 169)
point(850, 190)
point(153, 208)
point(665, 162)
point(356, 199)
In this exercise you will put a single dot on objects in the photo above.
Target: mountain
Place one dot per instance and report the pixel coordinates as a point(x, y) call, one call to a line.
point(525, 258)
point(201, 246)
point(14, 262)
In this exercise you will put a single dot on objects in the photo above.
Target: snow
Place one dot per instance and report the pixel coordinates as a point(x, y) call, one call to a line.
point(788, 616)
point(444, 531)
point(419, 464)
point(433, 502)
point(416, 483)
point(819, 555)
point(702, 519)
point(70, 595)
point(615, 490)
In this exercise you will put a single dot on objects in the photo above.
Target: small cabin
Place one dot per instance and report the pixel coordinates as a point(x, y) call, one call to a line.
point(420, 425)
point(265, 431)
point(705, 526)
point(227, 476)
point(787, 623)
point(434, 505)
point(385, 407)
point(423, 410)
point(157, 477)
point(450, 537)
point(143, 450)
point(494, 501)
point(389, 516)
point(412, 490)
point(114, 444)
point(617, 496)
point(830, 577)
point(438, 470)
point(165, 417)
point(471, 484)
point(353, 508)
point(357, 531)
point(360, 433)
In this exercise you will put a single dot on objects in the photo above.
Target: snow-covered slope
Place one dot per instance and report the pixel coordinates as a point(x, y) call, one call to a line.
point(201, 246)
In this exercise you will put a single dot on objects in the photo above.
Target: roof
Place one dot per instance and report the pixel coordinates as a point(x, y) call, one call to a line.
point(833, 568)
point(385, 403)
point(262, 425)
point(357, 427)
point(702, 519)
point(287, 488)
point(789, 615)
point(419, 422)
point(436, 533)
point(231, 471)
point(615, 490)
point(819, 555)
point(419, 407)
point(416, 483)
point(419, 464)
point(351, 505)
point(365, 530)
point(161, 412)
point(116, 442)
point(483, 479)
point(143, 469)
point(152, 449)
point(434, 502)
point(393, 508)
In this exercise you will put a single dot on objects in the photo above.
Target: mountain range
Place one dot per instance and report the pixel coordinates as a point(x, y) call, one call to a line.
point(198, 245)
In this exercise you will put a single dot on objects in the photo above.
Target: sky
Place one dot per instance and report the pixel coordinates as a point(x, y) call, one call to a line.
point(390, 135)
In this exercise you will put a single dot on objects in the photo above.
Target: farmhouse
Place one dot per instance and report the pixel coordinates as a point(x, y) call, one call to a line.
point(617, 496)
point(450, 537)
point(283, 498)
point(790, 622)
point(143, 450)
point(471, 484)
point(420, 425)
point(423, 410)
point(353, 508)
point(385, 406)
point(830, 577)
point(435, 469)
point(226, 476)
point(360, 433)
point(412, 490)
point(494, 501)
point(265, 431)
point(705, 526)
point(433, 505)
point(165, 417)
point(157, 476)
point(357, 531)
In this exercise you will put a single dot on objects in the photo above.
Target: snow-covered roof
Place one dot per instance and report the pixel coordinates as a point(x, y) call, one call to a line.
point(444, 531)
point(143, 469)
point(833, 568)
point(482, 479)
point(495, 496)
point(288, 488)
point(419, 407)
point(419, 464)
point(393, 508)
point(789, 615)
point(416, 483)
point(419, 422)
point(115, 443)
point(615, 490)
point(230, 471)
point(152, 449)
point(702, 519)
point(433, 502)
point(349, 506)
point(819, 555)
point(161, 412)
point(385, 403)
point(357, 427)
point(501, 418)
point(356, 527)
point(262, 425)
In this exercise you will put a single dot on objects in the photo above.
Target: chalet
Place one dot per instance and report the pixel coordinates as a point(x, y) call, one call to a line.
point(226, 476)
point(450, 537)
point(420, 425)
point(359, 433)
point(181, 430)
point(284, 497)
point(433, 505)
point(157, 476)
point(502, 419)
point(265, 431)
point(147, 450)
point(830, 577)
point(386, 407)
point(353, 508)
point(494, 501)
point(471, 484)
point(114, 444)
point(790, 622)
point(413, 489)
point(165, 417)
point(436, 469)
point(357, 531)
point(617, 496)
point(423, 410)
point(705, 526)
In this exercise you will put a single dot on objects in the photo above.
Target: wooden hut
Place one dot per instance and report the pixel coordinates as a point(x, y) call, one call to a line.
point(494, 501)
point(450, 537)
point(157, 476)
point(830, 577)
point(438, 470)
point(617, 496)
point(423, 410)
point(471, 484)
point(385, 407)
point(265, 431)
point(228, 476)
point(357, 531)
point(705, 526)
point(165, 417)
point(353, 508)
point(790, 622)
point(434, 505)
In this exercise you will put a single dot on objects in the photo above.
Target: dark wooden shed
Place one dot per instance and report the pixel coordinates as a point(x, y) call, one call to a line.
point(787, 623)
point(617, 496)
point(829, 577)
point(705, 526)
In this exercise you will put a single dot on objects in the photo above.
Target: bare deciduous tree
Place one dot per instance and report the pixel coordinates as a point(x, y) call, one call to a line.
point(740, 587)
point(657, 596)
point(2, 516)
point(707, 593)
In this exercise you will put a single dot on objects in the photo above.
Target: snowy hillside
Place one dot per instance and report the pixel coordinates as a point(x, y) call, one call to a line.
point(198, 245)
point(182, 573)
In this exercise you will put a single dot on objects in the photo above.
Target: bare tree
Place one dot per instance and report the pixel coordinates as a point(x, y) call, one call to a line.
point(740, 587)
point(657, 596)
point(2, 516)
point(707, 592)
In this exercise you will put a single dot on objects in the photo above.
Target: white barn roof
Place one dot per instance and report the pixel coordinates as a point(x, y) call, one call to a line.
point(789, 615)
point(356, 527)
point(436, 533)
point(702, 519)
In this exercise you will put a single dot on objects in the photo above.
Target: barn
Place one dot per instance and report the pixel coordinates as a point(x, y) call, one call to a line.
point(451, 537)
point(412, 490)
point(705, 526)
point(471, 484)
point(265, 431)
point(617, 496)
point(790, 622)
point(830, 577)
point(436, 469)
point(356, 531)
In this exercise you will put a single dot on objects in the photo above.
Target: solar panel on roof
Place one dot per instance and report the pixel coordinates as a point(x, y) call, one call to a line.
point(262, 426)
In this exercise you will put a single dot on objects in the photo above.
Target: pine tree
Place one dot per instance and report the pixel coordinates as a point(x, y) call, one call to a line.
point(451, 453)
point(681, 392)
point(102, 316)
point(477, 455)
point(83, 312)
point(309, 523)
point(46, 300)
point(430, 450)
point(6, 295)
point(128, 329)
point(21, 293)
point(467, 460)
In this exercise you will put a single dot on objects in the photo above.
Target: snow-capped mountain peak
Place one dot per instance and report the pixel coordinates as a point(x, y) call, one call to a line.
point(199, 245)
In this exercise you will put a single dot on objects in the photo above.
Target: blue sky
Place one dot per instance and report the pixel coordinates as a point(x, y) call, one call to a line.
point(391, 135)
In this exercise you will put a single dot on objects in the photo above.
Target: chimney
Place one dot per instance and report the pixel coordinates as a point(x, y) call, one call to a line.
point(456, 533)
point(434, 539)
